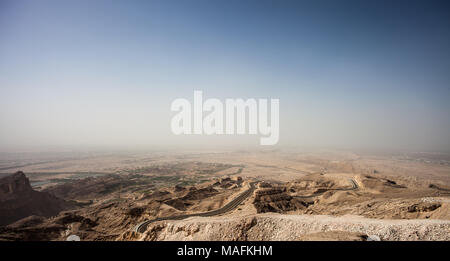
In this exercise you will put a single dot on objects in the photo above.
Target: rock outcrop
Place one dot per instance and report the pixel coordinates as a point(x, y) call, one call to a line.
point(18, 200)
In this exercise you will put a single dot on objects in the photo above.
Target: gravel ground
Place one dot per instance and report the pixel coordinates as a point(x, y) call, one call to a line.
point(293, 227)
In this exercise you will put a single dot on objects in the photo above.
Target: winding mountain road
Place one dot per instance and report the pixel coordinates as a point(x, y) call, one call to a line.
point(141, 227)
point(228, 207)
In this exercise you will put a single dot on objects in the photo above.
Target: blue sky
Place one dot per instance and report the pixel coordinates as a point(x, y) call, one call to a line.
point(357, 74)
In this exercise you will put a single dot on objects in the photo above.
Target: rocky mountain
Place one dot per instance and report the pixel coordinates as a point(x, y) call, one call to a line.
point(18, 200)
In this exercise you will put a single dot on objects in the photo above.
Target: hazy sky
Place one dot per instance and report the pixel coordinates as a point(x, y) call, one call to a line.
point(363, 74)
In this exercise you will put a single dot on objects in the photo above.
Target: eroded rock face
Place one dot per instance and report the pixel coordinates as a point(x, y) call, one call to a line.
point(69, 218)
point(14, 184)
point(424, 207)
point(184, 202)
point(136, 212)
point(274, 199)
point(178, 204)
point(18, 200)
point(179, 188)
point(200, 193)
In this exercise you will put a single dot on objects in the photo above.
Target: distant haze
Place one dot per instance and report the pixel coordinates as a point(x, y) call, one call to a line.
point(352, 74)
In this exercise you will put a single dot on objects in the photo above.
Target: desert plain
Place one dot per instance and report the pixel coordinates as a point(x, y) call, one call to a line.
point(225, 195)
